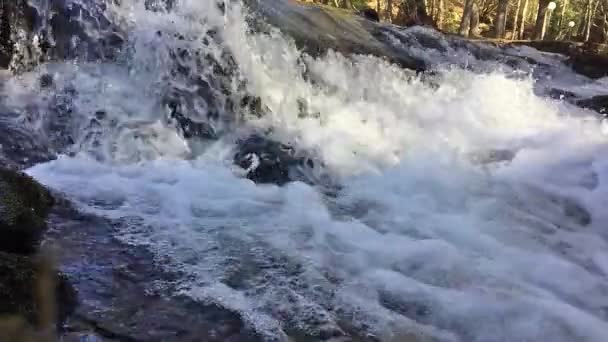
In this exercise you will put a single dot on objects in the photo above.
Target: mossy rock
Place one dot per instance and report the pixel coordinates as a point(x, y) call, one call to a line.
point(31, 290)
point(24, 206)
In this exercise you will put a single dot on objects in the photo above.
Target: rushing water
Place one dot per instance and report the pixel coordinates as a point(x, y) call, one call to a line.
point(463, 207)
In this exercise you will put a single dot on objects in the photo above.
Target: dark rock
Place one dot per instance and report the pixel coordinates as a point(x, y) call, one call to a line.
point(159, 5)
point(253, 105)
point(271, 162)
point(559, 94)
point(193, 129)
point(190, 128)
point(589, 64)
point(19, 147)
point(15, 16)
point(6, 43)
point(576, 212)
point(266, 161)
point(596, 103)
point(24, 206)
point(28, 288)
point(46, 81)
point(62, 29)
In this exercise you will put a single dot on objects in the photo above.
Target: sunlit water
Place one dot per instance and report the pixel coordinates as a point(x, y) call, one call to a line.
point(471, 211)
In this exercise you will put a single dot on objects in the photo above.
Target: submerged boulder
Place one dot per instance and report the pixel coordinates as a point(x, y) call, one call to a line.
point(265, 161)
point(271, 162)
point(24, 206)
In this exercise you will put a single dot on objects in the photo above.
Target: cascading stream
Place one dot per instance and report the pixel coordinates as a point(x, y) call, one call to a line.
point(463, 207)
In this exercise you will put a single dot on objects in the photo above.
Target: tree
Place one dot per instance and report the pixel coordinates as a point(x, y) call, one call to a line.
point(343, 4)
point(501, 18)
point(515, 20)
point(593, 5)
point(465, 22)
point(422, 16)
point(560, 22)
point(524, 13)
point(439, 14)
point(474, 21)
point(541, 16)
point(389, 11)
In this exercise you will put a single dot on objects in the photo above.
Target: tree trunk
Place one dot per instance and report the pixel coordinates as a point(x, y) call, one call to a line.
point(524, 14)
point(346, 4)
point(539, 27)
point(560, 23)
point(586, 19)
point(465, 22)
point(605, 27)
point(501, 18)
point(592, 11)
point(422, 16)
point(439, 14)
point(514, 33)
point(389, 11)
point(474, 21)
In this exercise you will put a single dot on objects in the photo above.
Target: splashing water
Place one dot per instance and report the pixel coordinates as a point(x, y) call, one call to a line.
point(468, 211)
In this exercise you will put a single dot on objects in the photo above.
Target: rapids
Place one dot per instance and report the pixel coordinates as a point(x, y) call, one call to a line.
point(457, 205)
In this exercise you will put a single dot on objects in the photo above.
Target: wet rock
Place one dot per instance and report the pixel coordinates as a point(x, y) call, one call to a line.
point(585, 59)
point(193, 129)
point(266, 161)
point(576, 212)
point(46, 81)
point(28, 288)
point(72, 25)
point(415, 309)
point(492, 156)
point(24, 206)
point(17, 22)
point(596, 103)
point(159, 5)
point(126, 297)
point(189, 128)
point(81, 337)
point(32, 32)
point(559, 94)
point(317, 30)
point(20, 148)
point(589, 64)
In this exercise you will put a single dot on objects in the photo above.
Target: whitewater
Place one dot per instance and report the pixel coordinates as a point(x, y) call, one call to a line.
point(458, 207)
